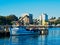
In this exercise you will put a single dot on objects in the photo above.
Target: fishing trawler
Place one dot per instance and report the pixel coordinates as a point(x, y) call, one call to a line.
point(18, 30)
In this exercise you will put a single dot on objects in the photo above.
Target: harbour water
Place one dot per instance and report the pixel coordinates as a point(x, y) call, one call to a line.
point(53, 38)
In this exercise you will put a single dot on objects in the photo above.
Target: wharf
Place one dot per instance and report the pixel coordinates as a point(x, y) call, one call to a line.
point(3, 32)
point(42, 26)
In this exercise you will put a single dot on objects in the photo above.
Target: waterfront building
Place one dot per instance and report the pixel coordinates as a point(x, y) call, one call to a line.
point(52, 21)
point(31, 18)
point(43, 19)
point(27, 19)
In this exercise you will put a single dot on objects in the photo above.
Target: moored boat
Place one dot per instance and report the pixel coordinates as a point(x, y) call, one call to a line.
point(21, 30)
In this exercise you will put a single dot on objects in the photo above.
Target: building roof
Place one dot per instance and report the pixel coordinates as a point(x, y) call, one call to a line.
point(52, 20)
point(24, 17)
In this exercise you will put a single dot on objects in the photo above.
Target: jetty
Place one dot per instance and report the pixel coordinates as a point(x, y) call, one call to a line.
point(4, 31)
point(42, 28)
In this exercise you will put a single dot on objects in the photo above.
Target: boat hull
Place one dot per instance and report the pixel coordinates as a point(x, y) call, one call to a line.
point(22, 31)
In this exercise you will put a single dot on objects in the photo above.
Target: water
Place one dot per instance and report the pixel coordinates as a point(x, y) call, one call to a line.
point(53, 38)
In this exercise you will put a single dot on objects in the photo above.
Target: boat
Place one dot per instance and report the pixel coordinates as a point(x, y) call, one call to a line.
point(22, 31)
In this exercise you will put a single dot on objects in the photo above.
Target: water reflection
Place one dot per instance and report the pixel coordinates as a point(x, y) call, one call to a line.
point(25, 40)
point(43, 39)
point(53, 38)
point(5, 41)
point(29, 40)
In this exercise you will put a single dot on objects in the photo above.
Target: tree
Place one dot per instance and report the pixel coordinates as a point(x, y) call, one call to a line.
point(20, 17)
point(2, 20)
point(58, 20)
point(12, 17)
point(7, 19)
point(52, 18)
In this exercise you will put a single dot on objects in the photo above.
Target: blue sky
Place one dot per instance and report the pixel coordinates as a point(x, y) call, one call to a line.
point(35, 7)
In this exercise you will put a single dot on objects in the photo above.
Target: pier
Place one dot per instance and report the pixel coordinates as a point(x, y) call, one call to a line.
point(42, 28)
point(36, 27)
point(3, 32)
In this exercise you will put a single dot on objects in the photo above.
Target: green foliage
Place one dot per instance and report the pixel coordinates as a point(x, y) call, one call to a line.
point(56, 22)
point(12, 18)
point(53, 18)
point(7, 19)
point(2, 20)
